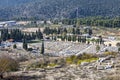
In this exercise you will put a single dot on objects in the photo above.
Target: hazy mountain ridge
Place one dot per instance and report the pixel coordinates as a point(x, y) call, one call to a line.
point(9, 3)
point(41, 9)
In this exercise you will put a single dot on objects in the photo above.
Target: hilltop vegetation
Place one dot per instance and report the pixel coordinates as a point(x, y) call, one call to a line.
point(42, 9)
point(94, 21)
point(8, 3)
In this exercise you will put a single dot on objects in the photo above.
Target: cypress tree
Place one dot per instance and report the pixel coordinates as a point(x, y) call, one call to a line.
point(73, 31)
point(39, 34)
point(42, 48)
point(73, 38)
point(58, 31)
point(25, 45)
point(79, 38)
point(69, 38)
point(77, 31)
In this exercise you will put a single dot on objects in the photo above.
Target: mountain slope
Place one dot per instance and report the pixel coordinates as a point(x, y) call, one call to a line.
point(8, 3)
point(41, 9)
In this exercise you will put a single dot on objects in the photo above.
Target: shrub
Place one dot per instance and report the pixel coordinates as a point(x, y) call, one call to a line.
point(8, 64)
point(62, 61)
point(29, 49)
point(86, 56)
point(72, 59)
point(110, 53)
point(81, 58)
point(22, 58)
point(51, 64)
point(97, 48)
point(118, 44)
point(14, 46)
point(119, 49)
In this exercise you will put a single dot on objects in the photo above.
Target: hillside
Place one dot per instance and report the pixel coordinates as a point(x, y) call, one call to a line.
point(8, 3)
point(41, 9)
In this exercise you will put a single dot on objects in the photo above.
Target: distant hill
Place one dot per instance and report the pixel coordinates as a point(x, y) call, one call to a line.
point(8, 3)
point(44, 9)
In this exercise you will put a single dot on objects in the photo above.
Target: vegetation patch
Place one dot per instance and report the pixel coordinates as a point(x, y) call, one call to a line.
point(81, 58)
point(34, 41)
point(110, 53)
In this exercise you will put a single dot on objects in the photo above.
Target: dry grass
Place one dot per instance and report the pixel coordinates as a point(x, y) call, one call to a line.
point(112, 77)
point(8, 64)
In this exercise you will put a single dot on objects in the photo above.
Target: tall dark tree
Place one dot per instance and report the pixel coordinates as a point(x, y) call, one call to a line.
point(42, 48)
point(58, 31)
point(77, 31)
point(73, 38)
point(46, 30)
point(65, 30)
point(79, 38)
point(101, 39)
point(39, 34)
point(69, 38)
point(90, 32)
point(73, 31)
point(25, 45)
point(33, 36)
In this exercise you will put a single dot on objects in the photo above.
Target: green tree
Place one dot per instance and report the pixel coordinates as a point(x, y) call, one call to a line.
point(79, 38)
point(14, 46)
point(73, 31)
point(39, 34)
point(97, 48)
point(77, 31)
point(65, 30)
point(25, 45)
point(69, 38)
point(73, 38)
point(42, 48)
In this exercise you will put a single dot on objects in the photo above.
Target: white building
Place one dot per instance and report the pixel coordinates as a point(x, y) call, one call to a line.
point(42, 22)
